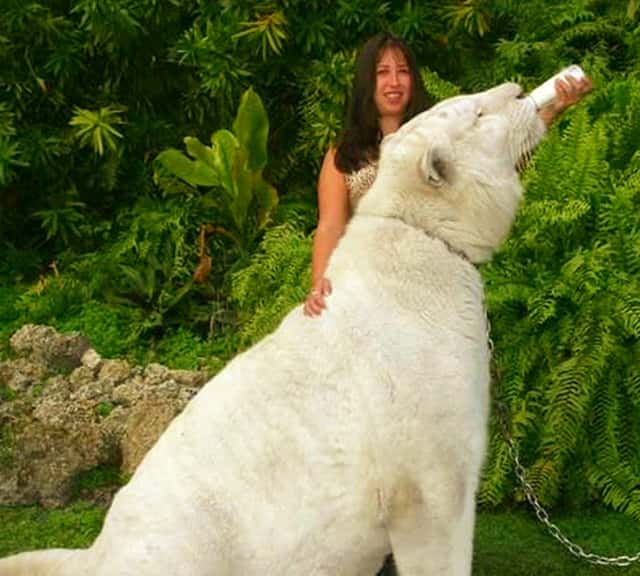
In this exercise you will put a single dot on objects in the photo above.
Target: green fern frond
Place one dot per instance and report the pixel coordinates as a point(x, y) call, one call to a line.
point(275, 280)
point(497, 471)
point(594, 31)
point(544, 476)
point(630, 313)
point(631, 381)
point(437, 87)
point(619, 487)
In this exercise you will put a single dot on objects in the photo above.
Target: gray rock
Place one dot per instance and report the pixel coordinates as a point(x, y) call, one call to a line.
point(74, 410)
point(91, 359)
point(44, 344)
point(21, 374)
point(114, 371)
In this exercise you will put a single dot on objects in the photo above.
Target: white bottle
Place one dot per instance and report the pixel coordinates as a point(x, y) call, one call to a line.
point(546, 92)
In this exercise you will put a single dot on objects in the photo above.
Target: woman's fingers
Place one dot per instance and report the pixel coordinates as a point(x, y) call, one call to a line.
point(314, 304)
point(570, 90)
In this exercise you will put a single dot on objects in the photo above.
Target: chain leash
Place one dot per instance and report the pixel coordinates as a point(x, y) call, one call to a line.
point(521, 474)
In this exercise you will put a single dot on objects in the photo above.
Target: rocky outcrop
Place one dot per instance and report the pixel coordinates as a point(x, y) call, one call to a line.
point(65, 410)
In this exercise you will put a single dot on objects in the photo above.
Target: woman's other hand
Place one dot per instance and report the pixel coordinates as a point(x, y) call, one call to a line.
point(315, 302)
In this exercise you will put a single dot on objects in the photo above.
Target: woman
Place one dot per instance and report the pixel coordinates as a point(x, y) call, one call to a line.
point(387, 91)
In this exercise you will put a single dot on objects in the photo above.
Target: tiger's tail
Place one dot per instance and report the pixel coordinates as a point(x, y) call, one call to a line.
point(54, 562)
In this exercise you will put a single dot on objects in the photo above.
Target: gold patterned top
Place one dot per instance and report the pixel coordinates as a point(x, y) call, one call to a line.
point(359, 181)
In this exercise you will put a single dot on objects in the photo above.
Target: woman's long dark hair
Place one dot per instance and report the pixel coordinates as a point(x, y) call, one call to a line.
point(360, 140)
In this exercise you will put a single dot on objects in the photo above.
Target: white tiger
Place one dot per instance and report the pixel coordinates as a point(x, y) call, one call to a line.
point(338, 439)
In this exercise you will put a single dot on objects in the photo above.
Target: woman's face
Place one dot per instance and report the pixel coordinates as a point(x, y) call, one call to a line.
point(393, 83)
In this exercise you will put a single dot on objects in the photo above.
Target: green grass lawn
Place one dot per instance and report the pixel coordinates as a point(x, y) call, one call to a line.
point(507, 543)
point(516, 544)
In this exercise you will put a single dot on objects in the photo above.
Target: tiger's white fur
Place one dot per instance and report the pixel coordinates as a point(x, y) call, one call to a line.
point(338, 439)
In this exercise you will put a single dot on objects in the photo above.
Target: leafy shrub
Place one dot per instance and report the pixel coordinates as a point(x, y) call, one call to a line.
point(276, 279)
point(563, 299)
point(231, 168)
point(182, 349)
point(112, 329)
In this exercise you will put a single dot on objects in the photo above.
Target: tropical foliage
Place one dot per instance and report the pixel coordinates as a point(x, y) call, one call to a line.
point(564, 301)
point(142, 143)
point(232, 166)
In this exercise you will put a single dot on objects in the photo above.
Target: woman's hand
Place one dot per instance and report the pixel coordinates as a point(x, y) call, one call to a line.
point(315, 302)
point(569, 90)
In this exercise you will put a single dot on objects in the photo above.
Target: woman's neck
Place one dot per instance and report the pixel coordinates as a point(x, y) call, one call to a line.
point(389, 124)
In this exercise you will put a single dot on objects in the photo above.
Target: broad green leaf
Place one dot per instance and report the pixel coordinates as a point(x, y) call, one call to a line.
point(266, 199)
point(224, 147)
point(193, 172)
point(251, 126)
point(244, 187)
point(199, 151)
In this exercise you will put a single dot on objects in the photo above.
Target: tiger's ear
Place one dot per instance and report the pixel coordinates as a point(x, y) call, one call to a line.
point(436, 164)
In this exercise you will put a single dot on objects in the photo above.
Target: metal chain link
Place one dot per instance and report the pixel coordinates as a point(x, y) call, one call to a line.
point(521, 473)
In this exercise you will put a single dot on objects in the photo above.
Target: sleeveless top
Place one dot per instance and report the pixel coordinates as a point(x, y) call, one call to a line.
point(359, 181)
